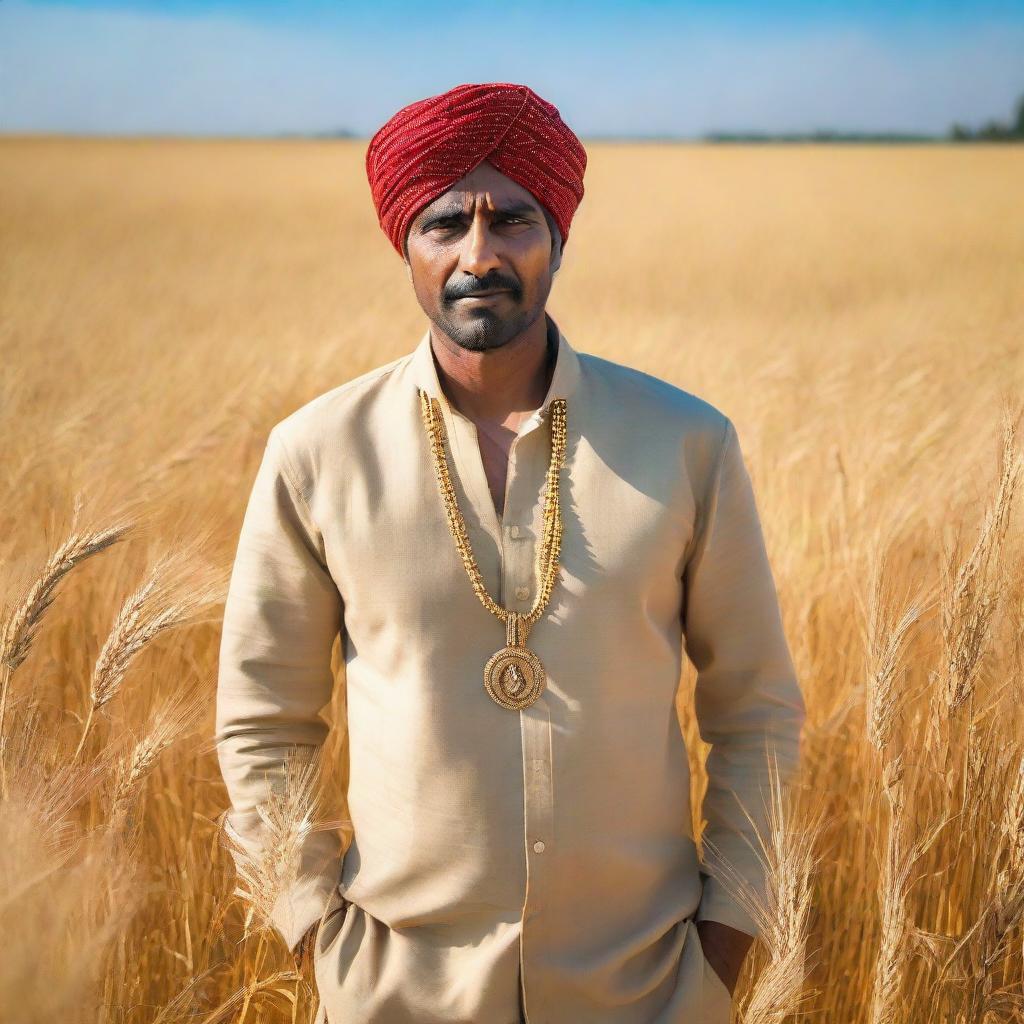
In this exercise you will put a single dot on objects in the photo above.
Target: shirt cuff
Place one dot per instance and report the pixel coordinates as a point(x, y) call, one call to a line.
point(717, 904)
point(302, 905)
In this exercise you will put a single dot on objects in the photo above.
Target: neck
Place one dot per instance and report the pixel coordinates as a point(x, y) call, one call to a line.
point(499, 384)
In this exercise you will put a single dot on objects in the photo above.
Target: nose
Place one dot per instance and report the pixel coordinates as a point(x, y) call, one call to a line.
point(478, 252)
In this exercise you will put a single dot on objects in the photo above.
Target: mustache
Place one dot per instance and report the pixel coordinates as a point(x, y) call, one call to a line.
point(460, 289)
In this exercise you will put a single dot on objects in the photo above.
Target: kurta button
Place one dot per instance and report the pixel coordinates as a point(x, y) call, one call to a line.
point(538, 847)
point(513, 531)
point(522, 593)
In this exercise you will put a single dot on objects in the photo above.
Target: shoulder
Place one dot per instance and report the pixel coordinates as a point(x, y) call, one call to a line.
point(308, 418)
point(653, 404)
point(328, 419)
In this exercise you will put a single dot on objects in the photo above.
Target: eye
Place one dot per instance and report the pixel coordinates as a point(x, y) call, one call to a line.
point(450, 223)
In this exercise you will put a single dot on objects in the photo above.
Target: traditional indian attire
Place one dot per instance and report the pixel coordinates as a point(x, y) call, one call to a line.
point(507, 865)
point(429, 145)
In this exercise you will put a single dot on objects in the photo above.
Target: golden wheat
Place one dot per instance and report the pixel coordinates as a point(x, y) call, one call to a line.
point(857, 310)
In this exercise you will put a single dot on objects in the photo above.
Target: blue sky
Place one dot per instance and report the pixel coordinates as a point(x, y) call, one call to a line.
point(638, 67)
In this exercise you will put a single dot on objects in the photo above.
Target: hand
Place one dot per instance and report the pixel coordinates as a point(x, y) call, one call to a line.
point(725, 948)
point(303, 952)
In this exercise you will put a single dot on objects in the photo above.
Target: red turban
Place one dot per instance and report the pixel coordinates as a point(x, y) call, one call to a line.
point(429, 145)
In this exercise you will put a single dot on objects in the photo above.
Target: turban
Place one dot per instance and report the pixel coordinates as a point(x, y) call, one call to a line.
point(429, 145)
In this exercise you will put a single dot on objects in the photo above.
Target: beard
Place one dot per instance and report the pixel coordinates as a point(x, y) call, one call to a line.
point(478, 328)
point(483, 328)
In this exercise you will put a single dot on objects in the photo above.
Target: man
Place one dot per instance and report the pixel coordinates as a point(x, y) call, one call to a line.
point(512, 540)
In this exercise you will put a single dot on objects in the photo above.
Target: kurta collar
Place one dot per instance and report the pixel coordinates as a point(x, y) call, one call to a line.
point(563, 380)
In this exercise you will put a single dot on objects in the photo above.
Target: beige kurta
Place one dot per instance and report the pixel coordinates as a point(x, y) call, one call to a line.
point(549, 848)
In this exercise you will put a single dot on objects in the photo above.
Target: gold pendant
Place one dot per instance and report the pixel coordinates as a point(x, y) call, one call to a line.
point(514, 676)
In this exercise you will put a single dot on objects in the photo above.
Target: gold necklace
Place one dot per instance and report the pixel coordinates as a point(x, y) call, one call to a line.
point(513, 676)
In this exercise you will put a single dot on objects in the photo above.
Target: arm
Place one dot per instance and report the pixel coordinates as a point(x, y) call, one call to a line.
point(747, 696)
point(281, 616)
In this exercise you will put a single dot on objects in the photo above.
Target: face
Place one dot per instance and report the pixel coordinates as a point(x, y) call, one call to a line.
point(486, 232)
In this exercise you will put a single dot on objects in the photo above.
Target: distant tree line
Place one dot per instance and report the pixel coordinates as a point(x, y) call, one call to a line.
point(821, 135)
point(992, 131)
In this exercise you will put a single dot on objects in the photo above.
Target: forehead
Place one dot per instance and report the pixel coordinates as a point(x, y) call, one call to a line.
point(482, 184)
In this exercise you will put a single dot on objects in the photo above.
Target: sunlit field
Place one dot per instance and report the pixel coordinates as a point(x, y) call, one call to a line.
point(858, 311)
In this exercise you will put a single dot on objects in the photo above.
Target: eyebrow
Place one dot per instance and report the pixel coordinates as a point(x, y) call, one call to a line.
point(453, 211)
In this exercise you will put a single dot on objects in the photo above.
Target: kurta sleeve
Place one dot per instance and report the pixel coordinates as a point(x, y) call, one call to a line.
point(748, 701)
point(281, 616)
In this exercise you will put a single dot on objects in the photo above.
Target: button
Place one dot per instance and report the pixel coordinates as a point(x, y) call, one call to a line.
point(522, 593)
point(538, 847)
point(514, 531)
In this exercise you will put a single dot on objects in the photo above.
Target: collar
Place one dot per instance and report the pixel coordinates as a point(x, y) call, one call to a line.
point(563, 380)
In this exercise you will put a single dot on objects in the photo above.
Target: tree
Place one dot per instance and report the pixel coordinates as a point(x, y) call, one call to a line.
point(992, 130)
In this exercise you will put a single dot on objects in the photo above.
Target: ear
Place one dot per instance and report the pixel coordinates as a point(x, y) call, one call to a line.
point(408, 269)
point(556, 243)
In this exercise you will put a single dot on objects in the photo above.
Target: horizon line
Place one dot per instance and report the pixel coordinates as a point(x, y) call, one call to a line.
point(817, 134)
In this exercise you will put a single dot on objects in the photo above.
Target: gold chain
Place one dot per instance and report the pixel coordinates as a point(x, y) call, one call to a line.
point(551, 543)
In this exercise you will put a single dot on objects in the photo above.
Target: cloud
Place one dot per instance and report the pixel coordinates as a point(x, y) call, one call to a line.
point(96, 70)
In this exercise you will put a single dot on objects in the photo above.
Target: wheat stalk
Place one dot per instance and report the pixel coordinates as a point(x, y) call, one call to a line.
point(901, 858)
point(971, 599)
point(173, 592)
point(20, 628)
point(178, 714)
point(886, 648)
point(289, 818)
point(781, 910)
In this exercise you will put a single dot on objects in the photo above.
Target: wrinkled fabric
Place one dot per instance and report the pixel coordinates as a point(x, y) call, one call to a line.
point(545, 853)
point(426, 147)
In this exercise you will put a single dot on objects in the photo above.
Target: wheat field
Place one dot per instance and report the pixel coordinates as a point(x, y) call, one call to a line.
point(857, 310)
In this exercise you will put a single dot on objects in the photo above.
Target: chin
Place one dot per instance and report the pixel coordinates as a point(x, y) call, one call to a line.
point(482, 336)
point(479, 330)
